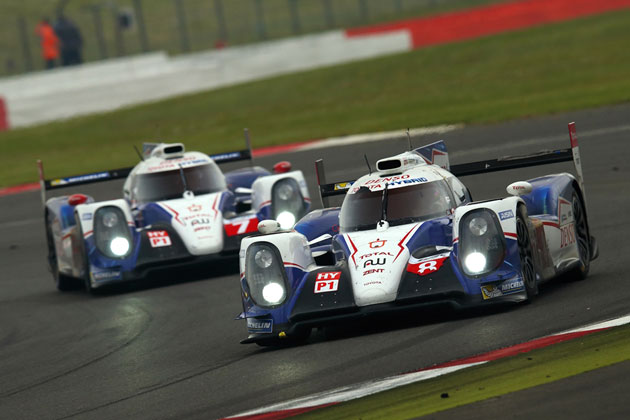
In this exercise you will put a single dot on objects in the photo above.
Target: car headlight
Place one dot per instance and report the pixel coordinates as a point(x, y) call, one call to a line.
point(263, 258)
point(111, 232)
point(287, 203)
point(119, 246)
point(273, 293)
point(286, 220)
point(265, 275)
point(475, 262)
point(478, 226)
point(481, 242)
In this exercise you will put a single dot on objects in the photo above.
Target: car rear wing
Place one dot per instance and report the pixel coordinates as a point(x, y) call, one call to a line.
point(113, 174)
point(545, 157)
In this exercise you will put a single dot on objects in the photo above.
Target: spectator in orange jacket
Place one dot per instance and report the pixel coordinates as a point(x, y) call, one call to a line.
point(49, 42)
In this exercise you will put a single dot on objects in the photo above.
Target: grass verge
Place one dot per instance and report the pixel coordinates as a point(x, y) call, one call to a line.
point(552, 68)
point(487, 381)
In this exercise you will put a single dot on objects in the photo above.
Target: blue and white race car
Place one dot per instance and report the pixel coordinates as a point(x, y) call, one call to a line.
point(409, 235)
point(178, 209)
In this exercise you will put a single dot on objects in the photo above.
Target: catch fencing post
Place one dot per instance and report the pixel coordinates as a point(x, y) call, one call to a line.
point(142, 30)
point(218, 10)
point(295, 16)
point(260, 19)
point(328, 13)
point(183, 25)
point(98, 28)
point(363, 9)
point(26, 48)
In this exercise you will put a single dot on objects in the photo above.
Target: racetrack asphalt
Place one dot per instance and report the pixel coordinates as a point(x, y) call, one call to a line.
point(171, 349)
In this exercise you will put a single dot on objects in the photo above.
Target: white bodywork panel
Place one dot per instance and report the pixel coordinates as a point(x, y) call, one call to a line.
point(293, 248)
point(262, 187)
point(377, 262)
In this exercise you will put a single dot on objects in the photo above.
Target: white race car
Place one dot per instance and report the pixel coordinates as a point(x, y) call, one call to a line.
point(178, 209)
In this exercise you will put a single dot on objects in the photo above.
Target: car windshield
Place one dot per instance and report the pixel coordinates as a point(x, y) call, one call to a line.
point(363, 209)
point(168, 185)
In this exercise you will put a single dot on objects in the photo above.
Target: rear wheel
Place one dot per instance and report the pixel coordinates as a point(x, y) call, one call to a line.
point(582, 238)
point(525, 253)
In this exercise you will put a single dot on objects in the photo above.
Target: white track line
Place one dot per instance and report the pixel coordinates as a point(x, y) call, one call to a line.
point(363, 389)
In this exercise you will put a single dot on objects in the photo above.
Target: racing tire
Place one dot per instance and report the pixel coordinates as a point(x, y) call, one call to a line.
point(528, 271)
point(87, 284)
point(63, 282)
point(582, 238)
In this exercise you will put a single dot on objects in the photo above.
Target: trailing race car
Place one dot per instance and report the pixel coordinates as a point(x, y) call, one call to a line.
point(409, 235)
point(178, 209)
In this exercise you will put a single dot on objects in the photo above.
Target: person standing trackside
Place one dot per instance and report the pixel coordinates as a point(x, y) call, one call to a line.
point(49, 43)
point(71, 41)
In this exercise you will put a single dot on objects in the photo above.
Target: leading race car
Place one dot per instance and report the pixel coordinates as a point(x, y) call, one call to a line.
point(409, 235)
point(178, 209)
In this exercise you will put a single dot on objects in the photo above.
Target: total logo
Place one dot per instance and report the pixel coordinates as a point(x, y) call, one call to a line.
point(194, 208)
point(423, 268)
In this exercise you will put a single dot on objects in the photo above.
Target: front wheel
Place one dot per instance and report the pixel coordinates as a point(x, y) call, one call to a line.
point(525, 253)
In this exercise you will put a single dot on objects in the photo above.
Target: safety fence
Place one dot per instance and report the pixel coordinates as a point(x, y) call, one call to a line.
point(115, 28)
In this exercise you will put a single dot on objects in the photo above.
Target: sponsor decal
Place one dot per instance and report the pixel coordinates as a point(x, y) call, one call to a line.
point(80, 178)
point(86, 216)
point(342, 186)
point(259, 325)
point(426, 266)
point(504, 215)
point(159, 238)
point(194, 208)
point(490, 291)
point(392, 182)
point(241, 226)
point(372, 283)
point(327, 281)
point(376, 254)
point(567, 235)
point(171, 164)
point(374, 271)
point(377, 261)
point(512, 286)
point(377, 243)
point(106, 275)
point(226, 156)
point(565, 212)
point(200, 221)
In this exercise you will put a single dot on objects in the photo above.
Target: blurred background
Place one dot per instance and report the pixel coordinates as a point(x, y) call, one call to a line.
point(116, 28)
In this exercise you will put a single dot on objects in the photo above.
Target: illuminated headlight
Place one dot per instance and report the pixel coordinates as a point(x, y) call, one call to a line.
point(111, 233)
point(265, 275)
point(481, 248)
point(286, 220)
point(273, 293)
point(478, 226)
point(263, 258)
point(475, 262)
point(119, 246)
